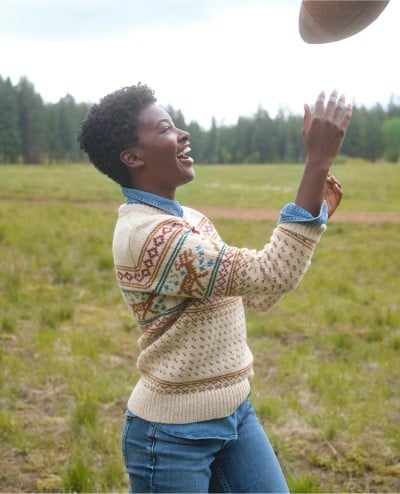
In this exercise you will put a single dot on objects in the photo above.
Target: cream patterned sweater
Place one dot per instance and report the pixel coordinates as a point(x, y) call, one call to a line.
point(187, 290)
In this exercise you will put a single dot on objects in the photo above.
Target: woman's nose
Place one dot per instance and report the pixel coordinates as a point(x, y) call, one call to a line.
point(184, 135)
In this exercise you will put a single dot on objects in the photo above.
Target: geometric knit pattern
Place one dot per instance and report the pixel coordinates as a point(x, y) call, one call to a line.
point(186, 289)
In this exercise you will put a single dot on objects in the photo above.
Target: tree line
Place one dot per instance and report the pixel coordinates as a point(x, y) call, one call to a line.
point(32, 131)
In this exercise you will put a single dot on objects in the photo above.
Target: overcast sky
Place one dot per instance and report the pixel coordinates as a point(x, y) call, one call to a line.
point(221, 58)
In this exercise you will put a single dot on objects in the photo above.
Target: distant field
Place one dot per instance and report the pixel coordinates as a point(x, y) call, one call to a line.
point(327, 369)
point(367, 187)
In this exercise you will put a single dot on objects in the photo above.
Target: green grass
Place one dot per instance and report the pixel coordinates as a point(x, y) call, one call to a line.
point(327, 370)
point(367, 187)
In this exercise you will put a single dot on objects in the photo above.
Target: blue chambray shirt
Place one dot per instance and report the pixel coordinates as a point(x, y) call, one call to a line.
point(291, 213)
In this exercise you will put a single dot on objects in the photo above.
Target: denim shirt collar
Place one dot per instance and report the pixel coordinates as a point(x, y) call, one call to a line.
point(135, 196)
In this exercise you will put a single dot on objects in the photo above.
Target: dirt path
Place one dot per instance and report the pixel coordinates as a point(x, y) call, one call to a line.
point(239, 213)
point(268, 214)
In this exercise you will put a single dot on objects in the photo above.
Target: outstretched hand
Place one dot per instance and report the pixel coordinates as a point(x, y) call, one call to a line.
point(324, 130)
point(332, 194)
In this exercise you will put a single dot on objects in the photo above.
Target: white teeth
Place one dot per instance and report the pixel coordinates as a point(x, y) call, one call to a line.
point(183, 153)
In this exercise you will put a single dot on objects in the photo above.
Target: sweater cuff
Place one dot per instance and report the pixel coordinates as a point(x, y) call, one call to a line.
point(314, 233)
point(292, 213)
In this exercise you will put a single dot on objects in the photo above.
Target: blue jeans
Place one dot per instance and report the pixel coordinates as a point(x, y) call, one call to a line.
point(232, 454)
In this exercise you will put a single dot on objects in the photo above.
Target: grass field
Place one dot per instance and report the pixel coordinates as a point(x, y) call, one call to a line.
point(327, 371)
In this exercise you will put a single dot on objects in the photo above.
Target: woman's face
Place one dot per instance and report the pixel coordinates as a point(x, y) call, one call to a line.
point(162, 154)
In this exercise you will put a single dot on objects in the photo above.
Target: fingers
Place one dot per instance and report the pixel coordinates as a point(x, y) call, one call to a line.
point(343, 113)
point(333, 182)
point(336, 109)
point(319, 105)
point(307, 119)
point(331, 107)
point(333, 194)
point(340, 107)
point(347, 116)
point(319, 110)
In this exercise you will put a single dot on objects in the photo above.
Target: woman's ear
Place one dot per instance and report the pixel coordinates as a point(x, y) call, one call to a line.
point(131, 159)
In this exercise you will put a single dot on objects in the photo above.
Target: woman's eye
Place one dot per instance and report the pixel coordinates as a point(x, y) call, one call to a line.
point(165, 129)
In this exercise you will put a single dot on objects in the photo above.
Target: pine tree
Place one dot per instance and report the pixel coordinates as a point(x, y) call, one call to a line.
point(31, 122)
point(10, 143)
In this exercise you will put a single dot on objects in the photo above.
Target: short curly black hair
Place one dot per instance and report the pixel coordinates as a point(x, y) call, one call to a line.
point(111, 127)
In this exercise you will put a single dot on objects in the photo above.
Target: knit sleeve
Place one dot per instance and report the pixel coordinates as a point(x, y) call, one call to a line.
point(177, 259)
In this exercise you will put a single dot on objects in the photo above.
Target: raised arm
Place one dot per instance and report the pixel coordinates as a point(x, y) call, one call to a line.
point(323, 133)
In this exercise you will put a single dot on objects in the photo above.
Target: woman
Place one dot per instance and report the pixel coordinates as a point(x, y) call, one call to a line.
point(189, 425)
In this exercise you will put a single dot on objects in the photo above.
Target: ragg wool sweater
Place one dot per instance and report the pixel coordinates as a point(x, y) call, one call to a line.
point(187, 290)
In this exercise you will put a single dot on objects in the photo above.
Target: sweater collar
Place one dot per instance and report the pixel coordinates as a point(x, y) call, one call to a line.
point(136, 196)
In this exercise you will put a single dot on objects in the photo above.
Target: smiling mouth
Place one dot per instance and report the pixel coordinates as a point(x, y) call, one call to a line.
point(182, 156)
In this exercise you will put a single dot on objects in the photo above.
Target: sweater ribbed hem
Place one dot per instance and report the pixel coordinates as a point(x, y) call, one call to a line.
point(187, 408)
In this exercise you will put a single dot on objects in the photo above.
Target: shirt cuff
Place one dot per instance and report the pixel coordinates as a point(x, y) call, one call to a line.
point(292, 213)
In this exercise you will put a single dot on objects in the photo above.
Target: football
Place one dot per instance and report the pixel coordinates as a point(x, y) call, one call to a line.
point(325, 21)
